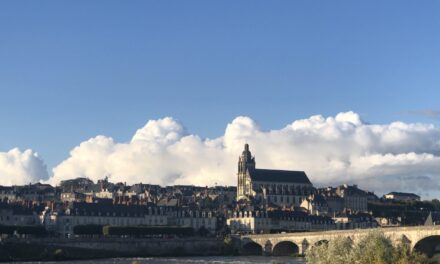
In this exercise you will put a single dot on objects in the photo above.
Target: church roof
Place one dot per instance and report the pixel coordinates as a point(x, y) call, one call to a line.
point(279, 176)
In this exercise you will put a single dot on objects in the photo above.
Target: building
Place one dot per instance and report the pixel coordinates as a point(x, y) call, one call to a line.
point(388, 221)
point(403, 197)
point(197, 220)
point(355, 221)
point(18, 215)
point(433, 219)
point(78, 185)
point(64, 221)
point(256, 222)
point(72, 197)
point(7, 194)
point(345, 198)
point(315, 204)
point(279, 187)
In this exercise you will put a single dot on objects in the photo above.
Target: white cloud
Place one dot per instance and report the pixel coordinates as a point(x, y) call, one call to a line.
point(333, 150)
point(17, 167)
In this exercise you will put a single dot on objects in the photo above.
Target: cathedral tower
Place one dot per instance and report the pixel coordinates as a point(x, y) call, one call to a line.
point(245, 162)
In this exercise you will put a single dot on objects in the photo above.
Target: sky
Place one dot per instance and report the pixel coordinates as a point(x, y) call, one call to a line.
point(94, 88)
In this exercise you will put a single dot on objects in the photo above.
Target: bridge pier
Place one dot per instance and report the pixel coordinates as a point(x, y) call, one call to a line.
point(303, 247)
point(267, 248)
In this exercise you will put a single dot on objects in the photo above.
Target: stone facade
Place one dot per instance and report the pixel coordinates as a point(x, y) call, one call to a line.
point(18, 215)
point(255, 222)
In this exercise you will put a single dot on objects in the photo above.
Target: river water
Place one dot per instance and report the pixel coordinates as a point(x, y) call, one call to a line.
point(191, 260)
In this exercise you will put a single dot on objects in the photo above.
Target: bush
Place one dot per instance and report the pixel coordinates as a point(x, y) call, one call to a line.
point(374, 248)
point(228, 246)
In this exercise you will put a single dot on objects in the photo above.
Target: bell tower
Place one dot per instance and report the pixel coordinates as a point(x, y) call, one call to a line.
point(245, 162)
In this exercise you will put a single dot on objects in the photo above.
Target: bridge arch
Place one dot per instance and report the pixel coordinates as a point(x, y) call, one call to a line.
point(252, 248)
point(428, 245)
point(285, 248)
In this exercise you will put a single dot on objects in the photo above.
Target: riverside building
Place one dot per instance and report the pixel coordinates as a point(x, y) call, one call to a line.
point(256, 222)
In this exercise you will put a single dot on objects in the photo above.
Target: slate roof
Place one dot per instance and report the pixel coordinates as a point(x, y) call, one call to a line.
point(279, 176)
point(18, 209)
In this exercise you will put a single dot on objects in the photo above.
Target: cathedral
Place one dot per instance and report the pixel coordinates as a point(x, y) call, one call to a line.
point(278, 187)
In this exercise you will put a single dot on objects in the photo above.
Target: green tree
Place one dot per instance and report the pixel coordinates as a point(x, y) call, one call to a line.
point(374, 248)
point(338, 250)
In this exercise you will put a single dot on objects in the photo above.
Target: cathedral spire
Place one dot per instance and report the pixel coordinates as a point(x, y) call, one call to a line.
point(245, 163)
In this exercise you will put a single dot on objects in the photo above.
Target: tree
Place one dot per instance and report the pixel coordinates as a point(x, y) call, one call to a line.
point(337, 250)
point(374, 248)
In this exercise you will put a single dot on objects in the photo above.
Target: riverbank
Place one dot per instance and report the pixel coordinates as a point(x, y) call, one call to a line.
point(191, 260)
point(96, 248)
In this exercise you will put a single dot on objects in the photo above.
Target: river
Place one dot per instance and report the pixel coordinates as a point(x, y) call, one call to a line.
point(190, 260)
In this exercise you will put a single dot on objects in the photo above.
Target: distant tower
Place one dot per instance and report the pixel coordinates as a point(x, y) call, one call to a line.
point(245, 162)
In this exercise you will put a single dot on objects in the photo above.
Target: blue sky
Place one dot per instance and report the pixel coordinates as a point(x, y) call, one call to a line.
point(70, 70)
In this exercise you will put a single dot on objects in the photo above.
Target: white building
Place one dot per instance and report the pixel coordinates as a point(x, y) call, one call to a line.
point(104, 214)
point(400, 196)
point(256, 222)
point(197, 220)
point(315, 204)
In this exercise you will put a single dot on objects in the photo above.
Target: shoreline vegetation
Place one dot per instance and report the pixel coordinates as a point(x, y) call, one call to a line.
point(375, 248)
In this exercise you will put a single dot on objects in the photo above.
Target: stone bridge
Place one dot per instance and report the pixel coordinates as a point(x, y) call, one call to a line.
point(425, 239)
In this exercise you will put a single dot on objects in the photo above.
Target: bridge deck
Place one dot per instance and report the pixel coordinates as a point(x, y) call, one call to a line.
point(345, 231)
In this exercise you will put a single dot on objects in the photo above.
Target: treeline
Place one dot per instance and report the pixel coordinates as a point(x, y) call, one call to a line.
point(134, 231)
point(23, 230)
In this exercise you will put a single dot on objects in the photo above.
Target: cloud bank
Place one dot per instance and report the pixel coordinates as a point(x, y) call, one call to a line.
point(17, 167)
point(341, 149)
